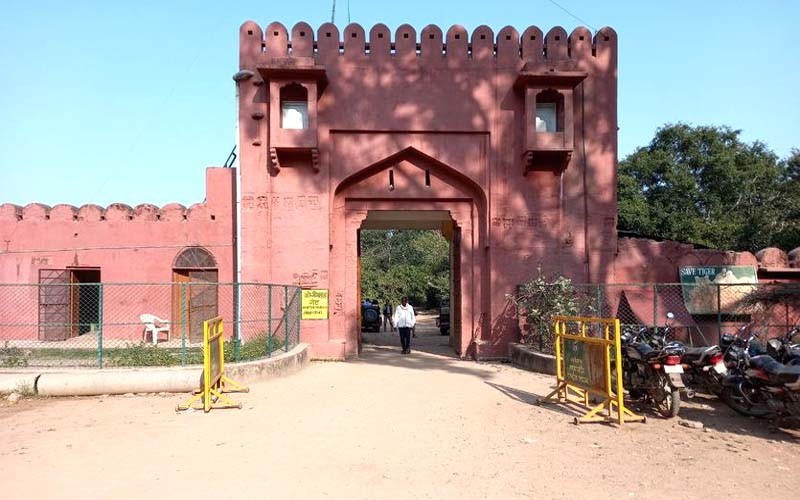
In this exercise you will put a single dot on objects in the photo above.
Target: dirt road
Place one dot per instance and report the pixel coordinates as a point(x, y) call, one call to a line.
point(385, 426)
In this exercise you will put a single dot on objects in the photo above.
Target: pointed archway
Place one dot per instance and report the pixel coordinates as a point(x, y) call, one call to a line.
point(413, 182)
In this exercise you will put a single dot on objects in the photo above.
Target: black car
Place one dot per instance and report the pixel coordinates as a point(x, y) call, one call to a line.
point(443, 322)
point(370, 316)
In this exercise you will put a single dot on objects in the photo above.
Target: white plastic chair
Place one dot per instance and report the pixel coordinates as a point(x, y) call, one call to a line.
point(151, 326)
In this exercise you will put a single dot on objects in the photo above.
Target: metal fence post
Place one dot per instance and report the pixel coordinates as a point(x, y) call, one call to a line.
point(237, 322)
point(541, 331)
point(719, 312)
point(183, 323)
point(269, 320)
point(655, 307)
point(100, 325)
point(297, 312)
point(286, 317)
point(599, 301)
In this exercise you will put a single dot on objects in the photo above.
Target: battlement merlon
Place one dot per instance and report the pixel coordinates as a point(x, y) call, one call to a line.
point(556, 49)
point(218, 203)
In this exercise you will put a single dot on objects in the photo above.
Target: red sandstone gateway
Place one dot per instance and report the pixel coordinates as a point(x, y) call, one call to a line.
point(506, 142)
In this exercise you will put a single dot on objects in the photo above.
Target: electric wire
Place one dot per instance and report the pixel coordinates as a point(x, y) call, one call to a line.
point(573, 15)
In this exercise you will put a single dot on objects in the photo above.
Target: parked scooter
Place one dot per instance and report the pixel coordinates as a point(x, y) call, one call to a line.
point(652, 375)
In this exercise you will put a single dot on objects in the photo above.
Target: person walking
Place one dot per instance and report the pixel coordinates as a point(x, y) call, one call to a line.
point(404, 320)
point(387, 316)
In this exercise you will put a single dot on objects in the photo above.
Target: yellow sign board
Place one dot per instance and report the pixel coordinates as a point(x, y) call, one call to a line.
point(314, 304)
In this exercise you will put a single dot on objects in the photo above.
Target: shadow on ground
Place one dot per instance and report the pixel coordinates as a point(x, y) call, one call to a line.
point(429, 350)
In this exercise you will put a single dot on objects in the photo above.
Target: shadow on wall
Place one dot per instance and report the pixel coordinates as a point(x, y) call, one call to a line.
point(405, 90)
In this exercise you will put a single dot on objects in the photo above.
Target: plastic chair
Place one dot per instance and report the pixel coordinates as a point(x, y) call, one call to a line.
point(151, 322)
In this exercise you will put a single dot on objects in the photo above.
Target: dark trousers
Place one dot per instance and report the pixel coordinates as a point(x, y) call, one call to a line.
point(405, 338)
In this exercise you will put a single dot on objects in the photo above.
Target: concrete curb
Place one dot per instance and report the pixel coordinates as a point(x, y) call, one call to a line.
point(526, 358)
point(126, 380)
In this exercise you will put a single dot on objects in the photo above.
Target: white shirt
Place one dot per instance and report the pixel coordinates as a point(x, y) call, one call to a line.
point(404, 316)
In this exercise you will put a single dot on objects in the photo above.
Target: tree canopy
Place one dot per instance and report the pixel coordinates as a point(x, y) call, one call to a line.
point(704, 185)
point(410, 262)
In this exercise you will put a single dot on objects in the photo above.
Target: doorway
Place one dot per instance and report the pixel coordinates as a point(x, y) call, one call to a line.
point(69, 302)
point(413, 253)
point(194, 292)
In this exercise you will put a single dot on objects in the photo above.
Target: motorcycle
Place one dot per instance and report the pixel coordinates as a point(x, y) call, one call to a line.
point(703, 367)
point(652, 375)
point(759, 385)
point(783, 349)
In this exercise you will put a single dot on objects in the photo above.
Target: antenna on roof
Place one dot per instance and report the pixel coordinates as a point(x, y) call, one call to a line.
point(333, 12)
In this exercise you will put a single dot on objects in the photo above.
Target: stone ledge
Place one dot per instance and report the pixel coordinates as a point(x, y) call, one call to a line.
point(94, 382)
point(525, 357)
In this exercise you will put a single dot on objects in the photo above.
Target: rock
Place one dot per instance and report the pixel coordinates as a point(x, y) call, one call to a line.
point(690, 424)
point(13, 397)
point(128, 395)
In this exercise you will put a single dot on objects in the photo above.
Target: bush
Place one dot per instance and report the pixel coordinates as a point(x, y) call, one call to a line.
point(13, 357)
point(144, 355)
point(538, 301)
point(254, 348)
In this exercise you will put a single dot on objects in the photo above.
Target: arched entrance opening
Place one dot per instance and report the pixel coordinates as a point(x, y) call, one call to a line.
point(407, 190)
point(415, 254)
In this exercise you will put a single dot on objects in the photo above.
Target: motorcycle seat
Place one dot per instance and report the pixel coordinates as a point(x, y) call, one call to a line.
point(644, 350)
point(697, 353)
point(778, 371)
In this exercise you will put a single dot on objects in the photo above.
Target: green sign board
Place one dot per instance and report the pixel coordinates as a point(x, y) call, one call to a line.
point(716, 289)
point(575, 363)
point(584, 364)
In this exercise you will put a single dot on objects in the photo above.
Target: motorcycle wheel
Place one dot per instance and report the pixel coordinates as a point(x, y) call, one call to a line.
point(733, 398)
point(670, 404)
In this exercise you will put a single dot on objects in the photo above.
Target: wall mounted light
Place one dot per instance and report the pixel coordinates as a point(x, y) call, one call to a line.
point(391, 180)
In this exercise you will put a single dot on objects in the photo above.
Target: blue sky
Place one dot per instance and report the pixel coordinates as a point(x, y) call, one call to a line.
point(106, 102)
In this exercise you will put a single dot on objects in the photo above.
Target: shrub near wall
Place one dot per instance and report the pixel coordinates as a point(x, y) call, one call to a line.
point(538, 301)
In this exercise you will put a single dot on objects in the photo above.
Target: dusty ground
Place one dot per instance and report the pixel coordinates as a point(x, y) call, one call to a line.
point(385, 427)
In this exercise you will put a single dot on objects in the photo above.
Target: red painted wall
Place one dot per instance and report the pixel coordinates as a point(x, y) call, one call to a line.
point(127, 245)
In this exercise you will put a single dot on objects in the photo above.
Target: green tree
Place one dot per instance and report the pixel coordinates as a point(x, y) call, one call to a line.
point(704, 185)
point(408, 262)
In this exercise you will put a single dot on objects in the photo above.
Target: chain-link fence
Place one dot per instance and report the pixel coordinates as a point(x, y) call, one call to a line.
point(700, 313)
point(142, 324)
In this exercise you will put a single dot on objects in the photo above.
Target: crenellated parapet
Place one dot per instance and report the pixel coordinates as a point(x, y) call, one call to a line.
point(116, 212)
point(431, 45)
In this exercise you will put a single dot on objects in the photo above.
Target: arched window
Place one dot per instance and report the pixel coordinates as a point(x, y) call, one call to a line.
point(294, 106)
point(195, 258)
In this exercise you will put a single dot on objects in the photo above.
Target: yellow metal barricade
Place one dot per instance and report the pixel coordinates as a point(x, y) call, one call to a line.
point(214, 383)
point(589, 363)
